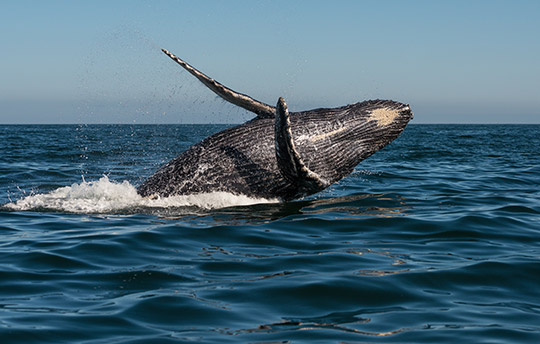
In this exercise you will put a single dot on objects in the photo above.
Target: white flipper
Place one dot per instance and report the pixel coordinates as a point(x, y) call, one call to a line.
point(289, 162)
point(244, 101)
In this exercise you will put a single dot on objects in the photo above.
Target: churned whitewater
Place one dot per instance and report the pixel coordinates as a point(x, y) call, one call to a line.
point(104, 196)
point(434, 239)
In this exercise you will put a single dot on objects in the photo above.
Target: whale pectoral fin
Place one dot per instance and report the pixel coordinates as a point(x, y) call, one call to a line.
point(289, 162)
point(244, 101)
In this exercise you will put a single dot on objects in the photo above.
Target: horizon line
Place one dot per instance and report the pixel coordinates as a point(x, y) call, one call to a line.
point(221, 123)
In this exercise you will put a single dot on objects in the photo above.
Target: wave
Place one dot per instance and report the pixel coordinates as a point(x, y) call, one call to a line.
point(105, 196)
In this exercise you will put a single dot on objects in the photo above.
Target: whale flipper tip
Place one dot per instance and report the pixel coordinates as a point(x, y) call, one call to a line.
point(244, 101)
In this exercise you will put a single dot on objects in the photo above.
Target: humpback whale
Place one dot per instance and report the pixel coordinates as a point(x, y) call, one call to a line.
point(278, 154)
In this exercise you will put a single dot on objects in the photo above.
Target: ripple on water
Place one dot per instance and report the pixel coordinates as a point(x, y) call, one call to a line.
point(434, 239)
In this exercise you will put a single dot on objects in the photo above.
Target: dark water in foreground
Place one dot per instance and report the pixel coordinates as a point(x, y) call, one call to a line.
point(435, 239)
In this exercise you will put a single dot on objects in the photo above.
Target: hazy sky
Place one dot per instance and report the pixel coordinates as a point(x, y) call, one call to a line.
point(100, 61)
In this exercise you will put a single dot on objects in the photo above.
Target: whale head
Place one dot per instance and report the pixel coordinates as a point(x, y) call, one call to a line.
point(373, 124)
point(333, 141)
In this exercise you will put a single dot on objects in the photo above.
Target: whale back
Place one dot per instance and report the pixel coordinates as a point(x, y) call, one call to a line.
point(239, 160)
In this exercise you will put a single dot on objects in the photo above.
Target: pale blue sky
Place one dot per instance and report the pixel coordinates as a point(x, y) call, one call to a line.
point(99, 61)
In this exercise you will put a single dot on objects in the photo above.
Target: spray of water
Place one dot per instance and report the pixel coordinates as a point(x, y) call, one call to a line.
point(106, 196)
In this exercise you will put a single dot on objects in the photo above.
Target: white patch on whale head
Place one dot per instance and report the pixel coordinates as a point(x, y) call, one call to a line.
point(383, 116)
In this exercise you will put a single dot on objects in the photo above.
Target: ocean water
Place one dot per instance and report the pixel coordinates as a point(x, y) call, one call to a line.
point(434, 239)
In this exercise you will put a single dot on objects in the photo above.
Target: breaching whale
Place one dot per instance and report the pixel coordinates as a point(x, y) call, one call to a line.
point(278, 154)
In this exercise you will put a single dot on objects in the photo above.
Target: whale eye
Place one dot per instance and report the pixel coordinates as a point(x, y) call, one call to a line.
point(383, 116)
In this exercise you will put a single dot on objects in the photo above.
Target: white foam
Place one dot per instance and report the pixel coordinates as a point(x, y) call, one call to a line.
point(105, 196)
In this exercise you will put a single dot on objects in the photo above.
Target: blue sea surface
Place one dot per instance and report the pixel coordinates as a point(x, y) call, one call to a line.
point(434, 239)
